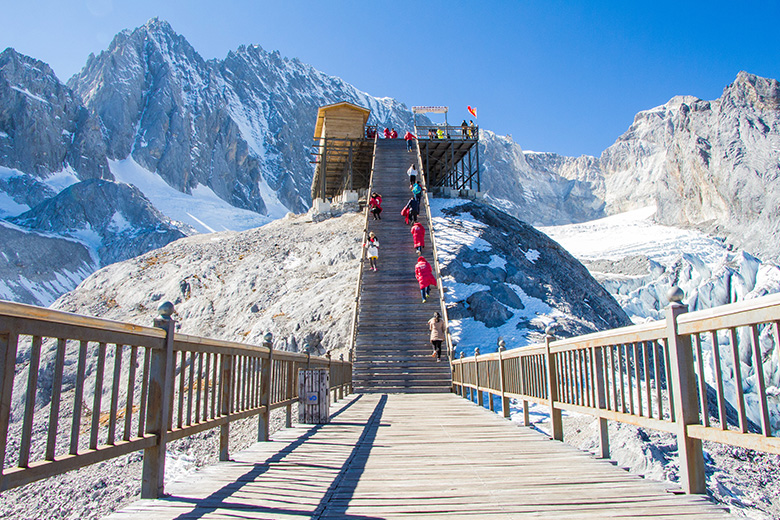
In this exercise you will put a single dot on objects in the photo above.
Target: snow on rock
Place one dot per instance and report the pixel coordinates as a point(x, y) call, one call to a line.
point(495, 287)
point(638, 260)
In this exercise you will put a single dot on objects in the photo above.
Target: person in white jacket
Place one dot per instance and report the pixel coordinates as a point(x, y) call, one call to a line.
point(372, 250)
point(412, 172)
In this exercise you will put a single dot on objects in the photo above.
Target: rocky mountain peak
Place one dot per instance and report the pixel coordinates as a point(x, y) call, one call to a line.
point(28, 71)
point(751, 91)
point(43, 126)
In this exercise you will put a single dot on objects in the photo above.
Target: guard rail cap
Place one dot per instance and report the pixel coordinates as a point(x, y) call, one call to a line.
point(31, 312)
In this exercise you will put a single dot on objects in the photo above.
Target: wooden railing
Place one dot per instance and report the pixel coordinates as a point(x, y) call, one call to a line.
point(76, 390)
point(359, 286)
point(436, 266)
point(457, 133)
point(652, 375)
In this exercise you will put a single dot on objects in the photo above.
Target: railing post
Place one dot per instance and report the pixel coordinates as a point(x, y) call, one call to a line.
point(501, 375)
point(331, 379)
point(350, 388)
point(226, 391)
point(480, 400)
point(159, 404)
point(341, 376)
point(8, 349)
point(264, 417)
point(462, 387)
point(289, 394)
point(601, 400)
point(692, 476)
point(556, 424)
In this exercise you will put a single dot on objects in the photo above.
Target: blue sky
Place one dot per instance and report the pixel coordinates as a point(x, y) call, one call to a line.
point(559, 76)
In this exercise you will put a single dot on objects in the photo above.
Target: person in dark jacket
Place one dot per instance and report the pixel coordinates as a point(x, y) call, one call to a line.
point(414, 208)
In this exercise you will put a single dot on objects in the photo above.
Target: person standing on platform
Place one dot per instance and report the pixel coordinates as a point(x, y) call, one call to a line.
point(436, 326)
point(465, 129)
point(472, 129)
point(372, 250)
point(414, 209)
point(375, 204)
point(393, 133)
point(425, 279)
point(412, 173)
point(387, 133)
point(418, 236)
point(410, 137)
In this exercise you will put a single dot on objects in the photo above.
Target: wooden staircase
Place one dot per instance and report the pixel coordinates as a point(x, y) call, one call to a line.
point(392, 350)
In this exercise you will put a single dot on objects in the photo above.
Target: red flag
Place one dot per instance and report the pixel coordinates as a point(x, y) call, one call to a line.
point(472, 111)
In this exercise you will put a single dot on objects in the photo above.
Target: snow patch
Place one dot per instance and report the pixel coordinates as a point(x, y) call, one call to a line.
point(203, 210)
point(30, 94)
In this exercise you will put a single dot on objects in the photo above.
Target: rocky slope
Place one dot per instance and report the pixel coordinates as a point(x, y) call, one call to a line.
point(541, 189)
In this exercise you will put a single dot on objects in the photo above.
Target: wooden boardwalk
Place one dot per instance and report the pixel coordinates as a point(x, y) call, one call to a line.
point(414, 456)
point(392, 351)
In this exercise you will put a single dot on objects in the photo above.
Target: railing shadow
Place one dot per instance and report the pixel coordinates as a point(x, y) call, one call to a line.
point(355, 462)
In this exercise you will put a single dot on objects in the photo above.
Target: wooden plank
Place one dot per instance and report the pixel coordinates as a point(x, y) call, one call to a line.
point(415, 457)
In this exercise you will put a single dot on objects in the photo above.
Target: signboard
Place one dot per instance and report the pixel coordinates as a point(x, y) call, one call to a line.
point(430, 110)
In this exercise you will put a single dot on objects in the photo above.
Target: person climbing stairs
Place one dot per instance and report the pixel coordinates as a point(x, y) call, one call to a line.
point(392, 349)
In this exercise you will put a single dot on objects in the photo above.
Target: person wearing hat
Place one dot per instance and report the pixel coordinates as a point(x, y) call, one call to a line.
point(372, 250)
point(436, 325)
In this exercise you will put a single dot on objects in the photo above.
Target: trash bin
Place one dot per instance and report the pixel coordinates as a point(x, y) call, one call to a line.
point(313, 396)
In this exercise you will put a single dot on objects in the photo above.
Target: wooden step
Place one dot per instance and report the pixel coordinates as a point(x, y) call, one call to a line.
point(392, 351)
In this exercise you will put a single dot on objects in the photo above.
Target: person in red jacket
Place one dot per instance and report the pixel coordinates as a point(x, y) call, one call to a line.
point(424, 274)
point(418, 235)
point(410, 137)
point(393, 133)
point(387, 133)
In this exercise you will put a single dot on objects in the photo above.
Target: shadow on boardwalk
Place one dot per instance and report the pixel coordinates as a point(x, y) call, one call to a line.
point(415, 456)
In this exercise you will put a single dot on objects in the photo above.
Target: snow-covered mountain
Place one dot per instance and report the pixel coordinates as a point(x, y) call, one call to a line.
point(711, 165)
point(216, 145)
point(241, 126)
point(224, 144)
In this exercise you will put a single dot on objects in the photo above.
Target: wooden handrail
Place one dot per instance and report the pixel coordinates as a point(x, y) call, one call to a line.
point(435, 251)
point(359, 287)
point(151, 385)
point(650, 375)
